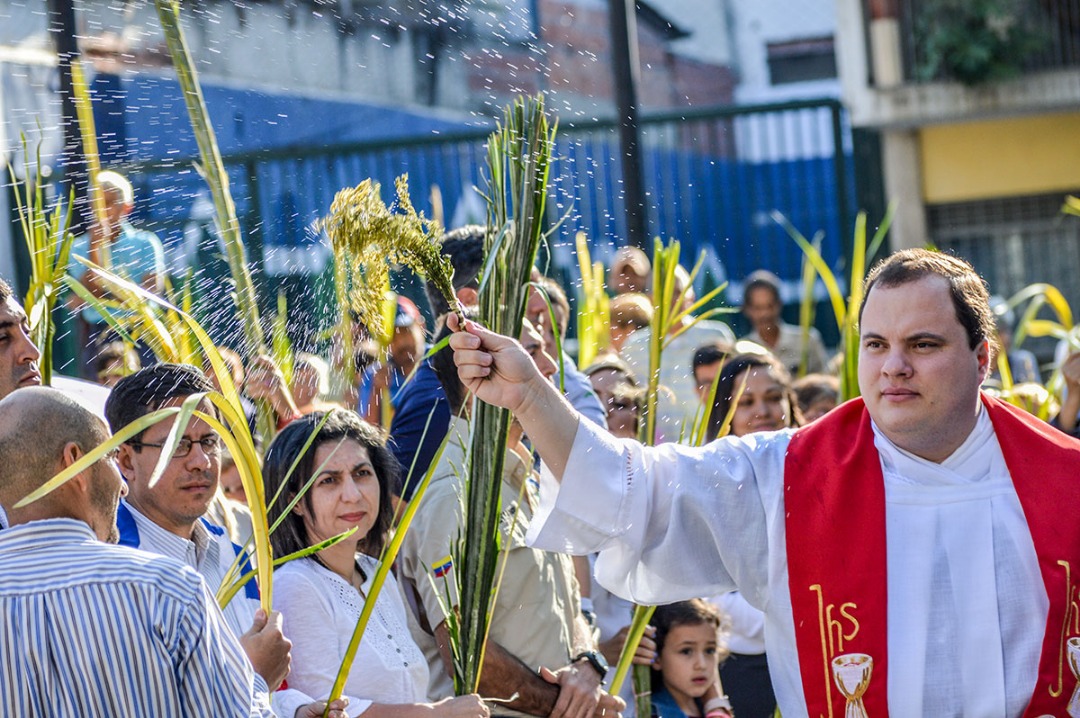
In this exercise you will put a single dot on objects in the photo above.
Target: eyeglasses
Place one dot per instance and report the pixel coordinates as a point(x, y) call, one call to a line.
point(211, 446)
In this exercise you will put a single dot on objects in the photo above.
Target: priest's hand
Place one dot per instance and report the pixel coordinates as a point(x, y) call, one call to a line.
point(495, 368)
point(499, 371)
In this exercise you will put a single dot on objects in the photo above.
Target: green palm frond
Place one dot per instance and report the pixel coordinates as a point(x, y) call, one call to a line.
point(594, 310)
point(214, 173)
point(845, 309)
point(518, 164)
point(48, 240)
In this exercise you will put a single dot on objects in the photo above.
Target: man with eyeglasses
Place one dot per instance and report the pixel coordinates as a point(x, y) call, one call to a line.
point(167, 518)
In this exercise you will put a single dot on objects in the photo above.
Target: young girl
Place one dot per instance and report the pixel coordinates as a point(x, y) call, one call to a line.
point(685, 681)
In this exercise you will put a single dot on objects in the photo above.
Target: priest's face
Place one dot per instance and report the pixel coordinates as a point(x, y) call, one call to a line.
point(918, 374)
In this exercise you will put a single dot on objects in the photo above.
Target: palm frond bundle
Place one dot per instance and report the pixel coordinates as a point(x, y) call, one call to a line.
point(48, 240)
point(518, 164)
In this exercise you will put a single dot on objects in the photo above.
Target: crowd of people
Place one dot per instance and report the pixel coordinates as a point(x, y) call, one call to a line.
point(911, 551)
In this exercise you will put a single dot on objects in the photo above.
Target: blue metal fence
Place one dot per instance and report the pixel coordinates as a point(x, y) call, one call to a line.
point(712, 178)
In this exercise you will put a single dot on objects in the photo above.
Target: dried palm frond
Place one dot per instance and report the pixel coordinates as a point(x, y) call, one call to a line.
point(368, 237)
point(232, 426)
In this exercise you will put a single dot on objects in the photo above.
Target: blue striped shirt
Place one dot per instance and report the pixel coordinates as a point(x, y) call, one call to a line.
point(90, 629)
point(210, 552)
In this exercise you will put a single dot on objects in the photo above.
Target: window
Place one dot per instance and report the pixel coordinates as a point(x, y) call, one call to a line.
point(801, 60)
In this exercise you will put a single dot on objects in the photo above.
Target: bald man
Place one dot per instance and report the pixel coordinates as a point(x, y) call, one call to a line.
point(140, 624)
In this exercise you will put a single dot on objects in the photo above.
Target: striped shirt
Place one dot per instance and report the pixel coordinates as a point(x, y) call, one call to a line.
point(211, 552)
point(90, 629)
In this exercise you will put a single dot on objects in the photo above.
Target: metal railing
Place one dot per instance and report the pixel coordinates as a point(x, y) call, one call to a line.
point(943, 40)
point(712, 177)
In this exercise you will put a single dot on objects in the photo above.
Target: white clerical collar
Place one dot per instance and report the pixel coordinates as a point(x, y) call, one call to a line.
point(976, 459)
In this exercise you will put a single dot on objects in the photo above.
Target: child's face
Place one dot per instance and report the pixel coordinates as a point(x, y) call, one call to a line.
point(688, 660)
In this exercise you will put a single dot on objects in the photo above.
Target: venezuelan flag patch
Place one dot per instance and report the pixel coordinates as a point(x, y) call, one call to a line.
point(443, 567)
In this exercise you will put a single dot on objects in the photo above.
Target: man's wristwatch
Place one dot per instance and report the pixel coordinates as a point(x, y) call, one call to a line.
point(596, 660)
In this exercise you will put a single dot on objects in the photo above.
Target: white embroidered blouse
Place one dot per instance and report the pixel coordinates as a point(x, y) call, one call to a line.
point(319, 611)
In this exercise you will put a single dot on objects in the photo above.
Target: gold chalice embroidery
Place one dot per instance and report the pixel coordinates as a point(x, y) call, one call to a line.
point(1073, 648)
point(851, 672)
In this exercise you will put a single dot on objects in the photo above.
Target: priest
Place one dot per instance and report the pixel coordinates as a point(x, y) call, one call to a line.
point(916, 551)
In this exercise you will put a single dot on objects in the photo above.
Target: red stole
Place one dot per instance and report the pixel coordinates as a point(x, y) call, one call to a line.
point(834, 502)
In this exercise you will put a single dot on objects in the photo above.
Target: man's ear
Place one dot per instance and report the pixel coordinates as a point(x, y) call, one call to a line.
point(467, 296)
point(68, 456)
point(125, 459)
point(982, 354)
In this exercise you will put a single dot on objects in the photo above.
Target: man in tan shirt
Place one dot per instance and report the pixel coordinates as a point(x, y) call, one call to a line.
point(762, 306)
point(539, 646)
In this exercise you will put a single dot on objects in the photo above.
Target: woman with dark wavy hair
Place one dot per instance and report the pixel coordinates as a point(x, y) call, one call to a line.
point(320, 597)
point(767, 404)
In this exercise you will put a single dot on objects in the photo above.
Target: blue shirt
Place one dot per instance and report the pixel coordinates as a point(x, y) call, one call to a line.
point(135, 254)
point(664, 705)
point(420, 398)
point(90, 629)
